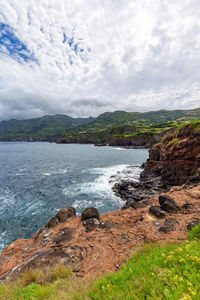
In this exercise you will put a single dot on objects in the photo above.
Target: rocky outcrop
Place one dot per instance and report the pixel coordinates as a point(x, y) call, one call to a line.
point(107, 246)
point(173, 161)
point(176, 159)
point(62, 216)
point(90, 219)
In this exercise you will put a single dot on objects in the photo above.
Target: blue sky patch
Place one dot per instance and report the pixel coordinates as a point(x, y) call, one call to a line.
point(11, 45)
point(74, 46)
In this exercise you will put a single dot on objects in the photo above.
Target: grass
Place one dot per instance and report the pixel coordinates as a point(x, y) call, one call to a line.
point(157, 272)
point(195, 233)
point(56, 283)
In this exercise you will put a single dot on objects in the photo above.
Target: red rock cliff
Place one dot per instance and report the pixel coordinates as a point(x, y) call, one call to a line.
point(176, 159)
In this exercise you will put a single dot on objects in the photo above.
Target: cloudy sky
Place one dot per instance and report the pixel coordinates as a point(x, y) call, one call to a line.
point(85, 57)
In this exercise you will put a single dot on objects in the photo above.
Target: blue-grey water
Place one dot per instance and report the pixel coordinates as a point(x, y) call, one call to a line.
point(38, 179)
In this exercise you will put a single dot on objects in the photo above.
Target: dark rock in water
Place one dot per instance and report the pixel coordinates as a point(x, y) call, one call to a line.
point(100, 145)
point(169, 225)
point(91, 224)
point(89, 213)
point(168, 204)
point(64, 235)
point(62, 216)
point(66, 213)
point(192, 224)
point(138, 190)
point(157, 211)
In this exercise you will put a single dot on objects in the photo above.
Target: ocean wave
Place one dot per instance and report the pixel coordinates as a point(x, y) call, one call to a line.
point(99, 192)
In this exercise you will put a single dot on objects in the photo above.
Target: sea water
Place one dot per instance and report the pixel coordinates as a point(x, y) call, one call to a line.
point(37, 179)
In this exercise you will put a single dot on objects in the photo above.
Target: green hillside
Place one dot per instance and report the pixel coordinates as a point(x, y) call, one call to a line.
point(109, 126)
point(119, 117)
point(44, 128)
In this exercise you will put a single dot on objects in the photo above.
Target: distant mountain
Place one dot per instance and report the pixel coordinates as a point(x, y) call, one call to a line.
point(44, 128)
point(109, 124)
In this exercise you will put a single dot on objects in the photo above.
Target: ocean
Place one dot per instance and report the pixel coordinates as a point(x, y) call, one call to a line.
point(37, 179)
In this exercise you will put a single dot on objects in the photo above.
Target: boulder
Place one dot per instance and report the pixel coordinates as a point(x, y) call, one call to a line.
point(157, 211)
point(62, 216)
point(192, 224)
point(163, 198)
point(168, 204)
point(89, 213)
point(170, 207)
point(66, 213)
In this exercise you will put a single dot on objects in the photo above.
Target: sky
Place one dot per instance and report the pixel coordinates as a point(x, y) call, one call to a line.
point(85, 57)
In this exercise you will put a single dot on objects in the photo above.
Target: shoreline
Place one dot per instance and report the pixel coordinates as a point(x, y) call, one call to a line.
point(128, 147)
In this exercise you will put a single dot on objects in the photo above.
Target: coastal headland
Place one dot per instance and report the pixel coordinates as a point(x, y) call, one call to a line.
point(163, 206)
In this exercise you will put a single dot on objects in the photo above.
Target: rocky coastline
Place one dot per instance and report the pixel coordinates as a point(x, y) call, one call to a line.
point(162, 206)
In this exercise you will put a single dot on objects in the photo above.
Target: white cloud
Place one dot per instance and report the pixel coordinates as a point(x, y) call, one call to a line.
point(123, 54)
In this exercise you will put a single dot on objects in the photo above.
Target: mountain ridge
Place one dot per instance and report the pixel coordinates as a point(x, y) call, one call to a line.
point(54, 127)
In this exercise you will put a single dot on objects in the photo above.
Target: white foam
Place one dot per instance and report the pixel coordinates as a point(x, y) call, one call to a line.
point(6, 200)
point(2, 240)
point(59, 171)
point(101, 187)
point(46, 174)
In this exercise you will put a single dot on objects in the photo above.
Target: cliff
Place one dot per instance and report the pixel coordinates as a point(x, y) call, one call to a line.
point(176, 159)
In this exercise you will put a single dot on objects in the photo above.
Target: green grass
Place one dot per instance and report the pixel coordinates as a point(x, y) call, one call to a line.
point(157, 272)
point(165, 272)
point(195, 232)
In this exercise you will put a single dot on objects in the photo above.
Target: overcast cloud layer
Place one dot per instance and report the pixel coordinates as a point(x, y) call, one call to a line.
point(84, 57)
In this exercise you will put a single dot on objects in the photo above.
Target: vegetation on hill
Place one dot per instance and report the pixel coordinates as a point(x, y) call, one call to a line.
point(109, 126)
point(168, 272)
point(119, 135)
point(186, 129)
point(123, 128)
point(44, 128)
